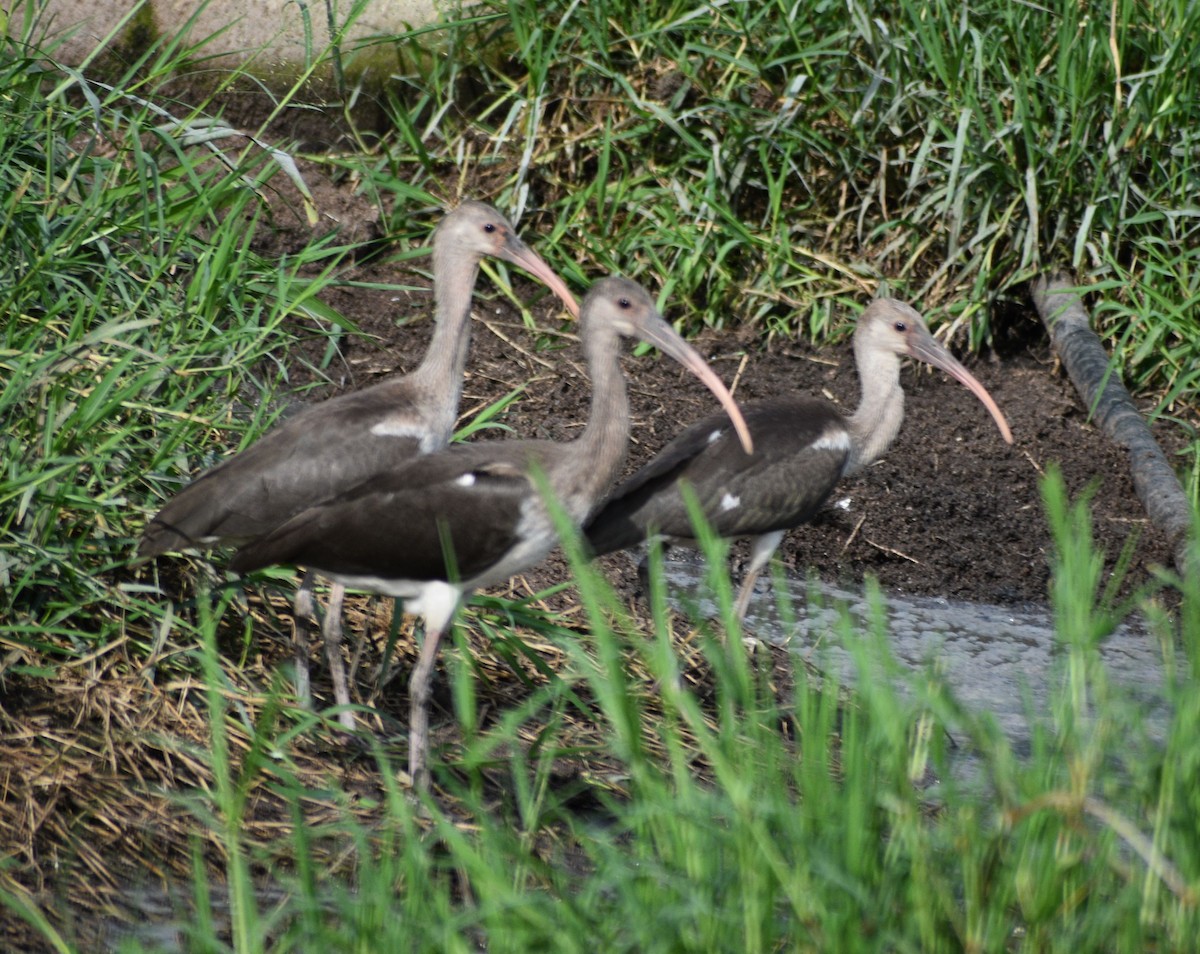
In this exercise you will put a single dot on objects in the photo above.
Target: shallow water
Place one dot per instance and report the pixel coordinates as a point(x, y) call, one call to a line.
point(999, 659)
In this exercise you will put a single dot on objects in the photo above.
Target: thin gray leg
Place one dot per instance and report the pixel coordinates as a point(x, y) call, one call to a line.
point(332, 631)
point(419, 684)
point(303, 616)
point(761, 550)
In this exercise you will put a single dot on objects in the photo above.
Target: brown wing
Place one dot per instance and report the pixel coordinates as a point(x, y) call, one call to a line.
point(301, 462)
point(797, 461)
point(450, 515)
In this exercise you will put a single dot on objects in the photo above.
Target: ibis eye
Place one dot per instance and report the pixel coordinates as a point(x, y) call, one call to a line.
point(901, 327)
point(489, 227)
point(624, 303)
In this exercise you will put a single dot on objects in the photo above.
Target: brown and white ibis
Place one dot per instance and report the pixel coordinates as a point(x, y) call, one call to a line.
point(337, 444)
point(472, 515)
point(804, 446)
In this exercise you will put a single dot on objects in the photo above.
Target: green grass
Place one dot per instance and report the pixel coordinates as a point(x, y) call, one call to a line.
point(788, 148)
point(732, 816)
point(766, 163)
point(762, 165)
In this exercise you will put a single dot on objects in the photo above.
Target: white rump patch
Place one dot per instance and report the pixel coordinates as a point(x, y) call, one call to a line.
point(832, 440)
point(466, 480)
point(730, 502)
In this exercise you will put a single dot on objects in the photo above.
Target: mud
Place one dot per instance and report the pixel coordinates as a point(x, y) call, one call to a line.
point(951, 510)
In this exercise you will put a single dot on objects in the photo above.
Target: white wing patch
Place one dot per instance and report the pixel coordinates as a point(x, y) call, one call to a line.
point(715, 436)
point(466, 480)
point(838, 440)
point(397, 427)
point(730, 502)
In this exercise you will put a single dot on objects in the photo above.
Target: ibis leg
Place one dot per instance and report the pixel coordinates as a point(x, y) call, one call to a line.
point(419, 684)
point(332, 631)
point(303, 614)
point(643, 565)
point(761, 550)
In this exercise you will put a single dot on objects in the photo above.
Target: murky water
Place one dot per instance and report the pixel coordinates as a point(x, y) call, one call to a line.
point(998, 659)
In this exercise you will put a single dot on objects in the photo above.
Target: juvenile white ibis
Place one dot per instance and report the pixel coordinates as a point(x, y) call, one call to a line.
point(804, 446)
point(472, 515)
point(337, 444)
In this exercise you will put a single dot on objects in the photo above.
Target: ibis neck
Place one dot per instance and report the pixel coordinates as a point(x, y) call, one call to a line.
point(440, 373)
point(876, 422)
point(596, 456)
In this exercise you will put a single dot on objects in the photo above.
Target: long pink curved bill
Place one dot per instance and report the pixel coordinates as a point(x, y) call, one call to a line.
point(659, 333)
point(521, 255)
point(924, 347)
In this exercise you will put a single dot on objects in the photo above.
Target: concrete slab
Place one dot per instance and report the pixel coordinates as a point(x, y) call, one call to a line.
point(278, 33)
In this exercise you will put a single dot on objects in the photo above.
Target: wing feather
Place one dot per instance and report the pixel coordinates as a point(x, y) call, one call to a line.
point(449, 515)
point(782, 484)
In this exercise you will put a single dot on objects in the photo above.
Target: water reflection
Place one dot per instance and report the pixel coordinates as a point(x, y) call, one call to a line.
point(999, 659)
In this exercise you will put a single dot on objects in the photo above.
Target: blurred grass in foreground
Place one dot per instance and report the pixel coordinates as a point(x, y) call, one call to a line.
point(758, 163)
point(742, 813)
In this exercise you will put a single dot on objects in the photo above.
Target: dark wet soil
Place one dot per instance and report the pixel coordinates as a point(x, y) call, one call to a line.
point(951, 510)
